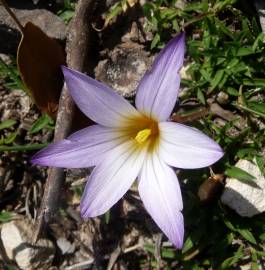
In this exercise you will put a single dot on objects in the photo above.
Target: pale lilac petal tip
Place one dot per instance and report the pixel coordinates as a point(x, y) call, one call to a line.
point(111, 179)
point(185, 147)
point(160, 192)
point(98, 101)
point(158, 90)
point(82, 149)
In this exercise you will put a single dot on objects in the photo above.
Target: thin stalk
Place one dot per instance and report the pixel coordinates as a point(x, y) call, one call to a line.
point(79, 55)
point(190, 116)
point(247, 109)
point(13, 16)
point(26, 147)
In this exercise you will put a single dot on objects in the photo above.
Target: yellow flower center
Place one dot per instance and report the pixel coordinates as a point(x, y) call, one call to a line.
point(143, 135)
point(145, 131)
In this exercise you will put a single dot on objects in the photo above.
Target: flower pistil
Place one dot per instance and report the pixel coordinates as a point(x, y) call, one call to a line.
point(143, 135)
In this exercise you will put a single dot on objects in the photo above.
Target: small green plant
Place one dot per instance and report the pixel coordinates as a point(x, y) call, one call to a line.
point(225, 56)
point(67, 12)
point(11, 75)
point(5, 216)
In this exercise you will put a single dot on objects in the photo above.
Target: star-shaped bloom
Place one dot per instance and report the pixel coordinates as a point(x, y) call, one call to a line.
point(129, 143)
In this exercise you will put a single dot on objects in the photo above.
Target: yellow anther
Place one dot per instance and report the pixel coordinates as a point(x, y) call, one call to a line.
point(143, 135)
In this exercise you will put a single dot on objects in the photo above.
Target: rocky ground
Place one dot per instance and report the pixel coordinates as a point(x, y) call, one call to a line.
point(126, 237)
point(69, 242)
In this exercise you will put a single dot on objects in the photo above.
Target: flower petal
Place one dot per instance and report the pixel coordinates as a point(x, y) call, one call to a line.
point(84, 148)
point(98, 101)
point(158, 90)
point(185, 147)
point(160, 192)
point(111, 179)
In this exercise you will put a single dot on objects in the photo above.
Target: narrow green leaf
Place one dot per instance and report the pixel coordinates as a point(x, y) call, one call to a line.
point(260, 253)
point(40, 123)
point(217, 78)
point(10, 267)
point(257, 82)
point(254, 266)
point(229, 224)
point(262, 237)
point(200, 96)
point(220, 60)
point(203, 6)
point(227, 263)
point(107, 217)
point(260, 164)
point(257, 106)
point(5, 216)
point(147, 10)
point(232, 260)
point(66, 15)
point(187, 245)
point(10, 138)
point(247, 109)
point(206, 75)
point(155, 41)
point(244, 51)
point(169, 13)
point(12, 72)
point(239, 253)
point(246, 152)
point(232, 91)
point(255, 26)
point(26, 147)
point(7, 124)
point(223, 81)
point(246, 33)
point(115, 10)
point(175, 25)
point(196, 267)
point(149, 248)
point(254, 256)
point(239, 68)
point(247, 235)
point(223, 28)
point(219, 5)
point(232, 63)
point(168, 253)
point(239, 174)
point(258, 41)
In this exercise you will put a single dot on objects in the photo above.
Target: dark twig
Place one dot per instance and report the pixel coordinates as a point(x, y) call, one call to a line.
point(195, 19)
point(78, 55)
point(12, 15)
point(113, 257)
point(190, 117)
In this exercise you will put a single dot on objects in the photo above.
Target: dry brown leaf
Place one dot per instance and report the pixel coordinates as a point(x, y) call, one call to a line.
point(210, 187)
point(39, 58)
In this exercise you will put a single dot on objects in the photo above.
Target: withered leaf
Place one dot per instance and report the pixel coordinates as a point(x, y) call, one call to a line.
point(39, 58)
point(210, 187)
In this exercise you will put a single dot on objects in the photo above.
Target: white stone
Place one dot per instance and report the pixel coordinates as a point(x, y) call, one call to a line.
point(65, 246)
point(246, 198)
point(260, 6)
point(16, 238)
point(248, 266)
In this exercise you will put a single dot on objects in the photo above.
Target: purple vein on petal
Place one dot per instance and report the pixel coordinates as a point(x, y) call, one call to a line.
point(159, 189)
point(84, 148)
point(158, 90)
point(98, 101)
point(185, 147)
point(111, 179)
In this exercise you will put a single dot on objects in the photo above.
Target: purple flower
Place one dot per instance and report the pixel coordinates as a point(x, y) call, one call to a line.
point(129, 143)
